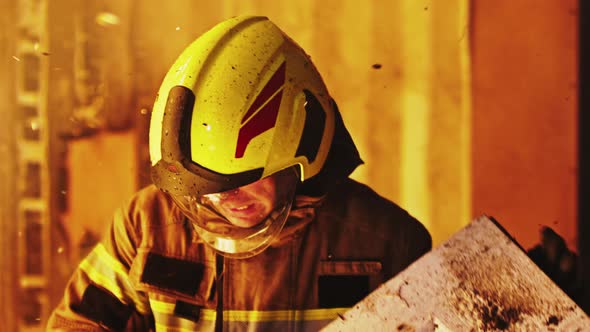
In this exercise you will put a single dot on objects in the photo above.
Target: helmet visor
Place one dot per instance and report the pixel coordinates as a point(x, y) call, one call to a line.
point(242, 222)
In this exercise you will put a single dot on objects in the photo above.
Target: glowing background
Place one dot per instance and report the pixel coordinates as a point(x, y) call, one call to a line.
point(458, 108)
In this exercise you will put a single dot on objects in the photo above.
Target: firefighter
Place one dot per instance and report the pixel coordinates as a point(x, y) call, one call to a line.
point(252, 222)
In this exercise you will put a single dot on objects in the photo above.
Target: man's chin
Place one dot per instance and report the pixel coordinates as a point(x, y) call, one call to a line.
point(244, 223)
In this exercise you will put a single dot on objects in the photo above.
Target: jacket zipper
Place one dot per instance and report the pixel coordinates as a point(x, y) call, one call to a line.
point(219, 267)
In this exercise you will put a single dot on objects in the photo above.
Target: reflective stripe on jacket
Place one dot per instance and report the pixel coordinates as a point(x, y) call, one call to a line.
point(151, 271)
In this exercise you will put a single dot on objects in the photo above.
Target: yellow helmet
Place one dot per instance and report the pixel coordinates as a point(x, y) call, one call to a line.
point(241, 118)
point(242, 102)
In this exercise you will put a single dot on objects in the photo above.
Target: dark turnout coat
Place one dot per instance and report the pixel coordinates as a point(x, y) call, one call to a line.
point(152, 272)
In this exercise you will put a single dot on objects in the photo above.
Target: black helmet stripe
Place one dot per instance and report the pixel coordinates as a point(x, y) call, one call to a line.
point(315, 122)
point(176, 172)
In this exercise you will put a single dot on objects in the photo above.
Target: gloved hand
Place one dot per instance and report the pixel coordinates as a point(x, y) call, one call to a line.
point(558, 262)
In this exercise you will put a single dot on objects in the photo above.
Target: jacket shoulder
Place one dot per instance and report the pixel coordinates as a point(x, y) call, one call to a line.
point(352, 201)
point(353, 210)
point(150, 207)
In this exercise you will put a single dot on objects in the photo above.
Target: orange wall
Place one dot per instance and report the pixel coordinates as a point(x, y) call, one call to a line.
point(524, 137)
point(101, 177)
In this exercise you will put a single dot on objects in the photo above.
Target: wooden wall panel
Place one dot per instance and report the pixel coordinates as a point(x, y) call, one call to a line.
point(9, 308)
point(434, 115)
point(525, 115)
point(383, 103)
point(101, 179)
point(449, 170)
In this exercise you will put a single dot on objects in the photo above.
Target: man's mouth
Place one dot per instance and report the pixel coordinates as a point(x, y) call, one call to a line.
point(247, 215)
point(242, 208)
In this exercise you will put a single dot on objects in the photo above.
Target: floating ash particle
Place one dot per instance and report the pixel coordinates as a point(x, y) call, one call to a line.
point(107, 19)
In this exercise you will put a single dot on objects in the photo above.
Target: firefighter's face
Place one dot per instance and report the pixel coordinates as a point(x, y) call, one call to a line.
point(249, 205)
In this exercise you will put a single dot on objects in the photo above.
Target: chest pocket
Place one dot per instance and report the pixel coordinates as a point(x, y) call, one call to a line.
point(189, 280)
point(342, 284)
point(179, 290)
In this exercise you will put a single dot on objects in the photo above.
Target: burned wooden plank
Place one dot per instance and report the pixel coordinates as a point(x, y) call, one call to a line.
point(478, 280)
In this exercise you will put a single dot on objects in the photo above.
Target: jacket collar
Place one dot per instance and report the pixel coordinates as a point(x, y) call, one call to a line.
point(302, 213)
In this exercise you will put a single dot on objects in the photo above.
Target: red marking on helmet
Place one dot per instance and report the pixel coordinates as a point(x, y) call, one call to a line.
point(276, 82)
point(266, 118)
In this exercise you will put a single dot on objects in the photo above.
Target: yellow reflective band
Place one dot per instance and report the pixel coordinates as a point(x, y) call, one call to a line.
point(278, 315)
point(162, 307)
point(162, 327)
point(257, 316)
point(102, 254)
point(106, 271)
point(167, 308)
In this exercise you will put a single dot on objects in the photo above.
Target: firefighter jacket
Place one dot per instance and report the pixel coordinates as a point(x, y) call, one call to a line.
point(151, 271)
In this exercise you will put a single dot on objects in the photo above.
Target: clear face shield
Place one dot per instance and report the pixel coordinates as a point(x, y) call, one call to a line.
point(242, 222)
